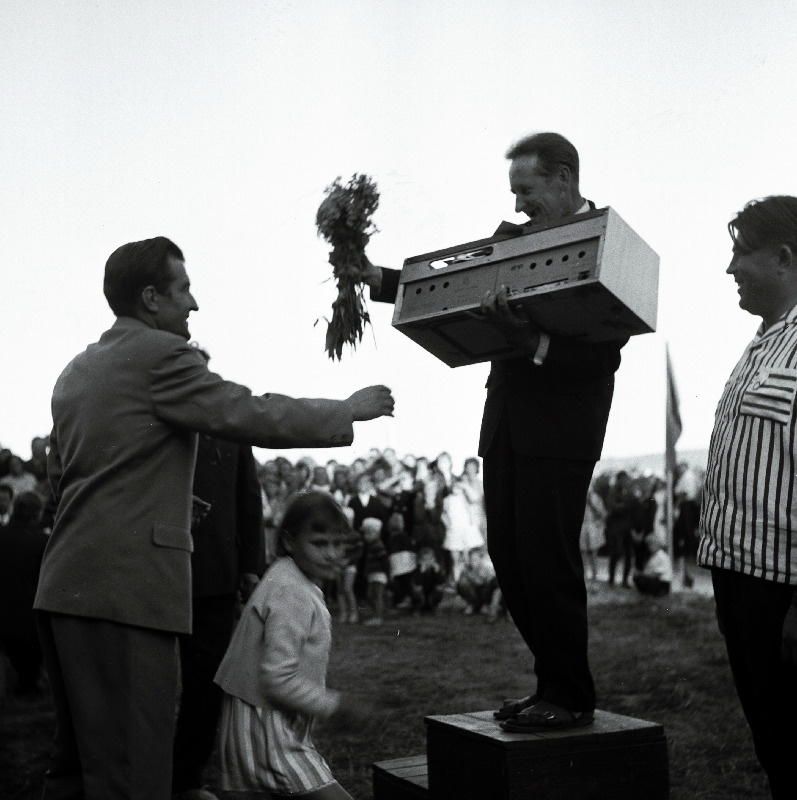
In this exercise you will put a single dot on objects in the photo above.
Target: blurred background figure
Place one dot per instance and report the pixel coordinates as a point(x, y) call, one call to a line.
point(478, 586)
point(620, 520)
point(462, 533)
point(655, 576)
point(22, 543)
point(688, 494)
point(592, 531)
point(226, 564)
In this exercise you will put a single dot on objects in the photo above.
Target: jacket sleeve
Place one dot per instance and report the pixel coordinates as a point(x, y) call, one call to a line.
point(584, 359)
point(184, 393)
point(388, 290)
point(281, 679)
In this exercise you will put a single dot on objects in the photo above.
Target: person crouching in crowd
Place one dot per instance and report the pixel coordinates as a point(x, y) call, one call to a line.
point(426, 581)
point(477, 584)
point(656, 576)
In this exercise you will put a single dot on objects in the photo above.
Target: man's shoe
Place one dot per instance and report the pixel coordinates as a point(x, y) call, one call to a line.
point(544, 716)
point(510, 708)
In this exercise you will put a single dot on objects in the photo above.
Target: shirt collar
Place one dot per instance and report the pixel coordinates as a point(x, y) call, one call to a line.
point(789, 318)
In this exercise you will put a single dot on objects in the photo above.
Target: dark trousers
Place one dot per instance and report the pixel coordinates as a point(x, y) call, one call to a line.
point(200, 655)
point(620, 546)
point(535, 508)
point(750, 613)
point(114, 689)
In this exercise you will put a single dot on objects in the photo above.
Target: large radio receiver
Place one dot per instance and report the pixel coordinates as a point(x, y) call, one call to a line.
point(590, 278)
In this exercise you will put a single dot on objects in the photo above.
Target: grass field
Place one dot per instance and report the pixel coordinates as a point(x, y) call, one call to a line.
point(661, 660)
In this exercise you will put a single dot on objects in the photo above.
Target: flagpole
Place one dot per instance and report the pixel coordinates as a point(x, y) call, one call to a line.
point(672, 433)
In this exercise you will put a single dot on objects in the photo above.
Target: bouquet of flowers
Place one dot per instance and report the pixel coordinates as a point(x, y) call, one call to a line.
point(344, 220)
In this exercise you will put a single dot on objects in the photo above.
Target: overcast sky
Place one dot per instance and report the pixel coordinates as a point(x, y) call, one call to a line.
point(219, 125)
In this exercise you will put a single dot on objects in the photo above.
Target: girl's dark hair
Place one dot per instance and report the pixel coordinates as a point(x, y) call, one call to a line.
point(770, 222)
point(318, 508)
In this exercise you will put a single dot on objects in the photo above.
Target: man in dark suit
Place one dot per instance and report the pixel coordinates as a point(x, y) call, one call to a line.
point(115, 582)
point(227, 563)
point(542, 432)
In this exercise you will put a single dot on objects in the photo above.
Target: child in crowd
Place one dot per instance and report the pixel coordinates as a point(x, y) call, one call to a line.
point(461, 525)
point(274, 672)
point(403, 559)
point(376, 568)
point(427, 579)
point(477, 584)
point(347, 600)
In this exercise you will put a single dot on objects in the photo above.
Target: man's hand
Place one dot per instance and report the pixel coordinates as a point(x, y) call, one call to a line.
point(517, 328)
point(354, 711)
point(371, 402)
point(247, 581)
point(369, 274)
point(788, 647)
point(199, 510)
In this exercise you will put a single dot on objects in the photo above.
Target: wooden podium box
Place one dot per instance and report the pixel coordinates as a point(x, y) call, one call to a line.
point(615, 758)
point(589, 277)
point(401, 779)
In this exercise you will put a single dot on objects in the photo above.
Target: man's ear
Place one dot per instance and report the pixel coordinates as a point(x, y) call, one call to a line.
point(786, 256)
point(149, 299)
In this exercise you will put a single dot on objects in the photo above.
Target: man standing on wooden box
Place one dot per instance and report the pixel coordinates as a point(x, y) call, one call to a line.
point(542, 432)
point(748, 522)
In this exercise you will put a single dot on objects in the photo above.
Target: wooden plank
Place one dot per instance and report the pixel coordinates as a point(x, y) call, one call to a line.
point(401, 779)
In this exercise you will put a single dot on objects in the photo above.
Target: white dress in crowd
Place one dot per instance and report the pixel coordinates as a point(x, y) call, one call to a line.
point(461, 522)
point(592, 529)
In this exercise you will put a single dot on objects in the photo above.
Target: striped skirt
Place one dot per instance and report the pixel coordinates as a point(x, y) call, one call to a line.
point(264, 748)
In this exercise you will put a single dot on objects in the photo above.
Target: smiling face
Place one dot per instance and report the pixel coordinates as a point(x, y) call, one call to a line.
point(542, 198)
point(759, 277)
point(177, 302)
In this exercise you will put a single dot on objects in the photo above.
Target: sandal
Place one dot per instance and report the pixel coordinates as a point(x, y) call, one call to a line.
point(545, 716)
point(511, 708)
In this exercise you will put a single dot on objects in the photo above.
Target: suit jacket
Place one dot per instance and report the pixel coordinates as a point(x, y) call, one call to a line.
point(556, 410)
point(229, 540)
point(121, 465)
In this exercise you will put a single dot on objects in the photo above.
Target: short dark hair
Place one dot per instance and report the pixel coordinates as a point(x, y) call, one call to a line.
point(768, 222)
point(311, 506)
point(134, 266)
point(552, 151)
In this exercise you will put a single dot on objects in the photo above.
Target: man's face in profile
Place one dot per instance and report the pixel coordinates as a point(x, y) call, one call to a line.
point(541, 198)
point(177, 302)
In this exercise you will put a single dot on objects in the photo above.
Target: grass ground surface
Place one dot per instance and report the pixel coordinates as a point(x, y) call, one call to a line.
point(659, 659)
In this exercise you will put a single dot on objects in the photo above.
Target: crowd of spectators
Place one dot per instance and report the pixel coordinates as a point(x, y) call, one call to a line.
point(418, 534)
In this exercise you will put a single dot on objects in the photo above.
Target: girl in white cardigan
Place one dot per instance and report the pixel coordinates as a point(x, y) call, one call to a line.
point(274, 671)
